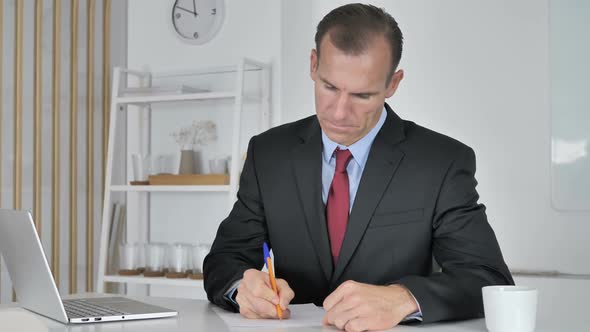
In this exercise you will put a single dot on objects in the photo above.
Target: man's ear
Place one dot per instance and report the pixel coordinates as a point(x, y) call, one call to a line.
point(396, 78)
point(313, 64)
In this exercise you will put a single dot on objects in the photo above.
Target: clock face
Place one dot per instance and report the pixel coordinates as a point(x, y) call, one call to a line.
point(197, 21)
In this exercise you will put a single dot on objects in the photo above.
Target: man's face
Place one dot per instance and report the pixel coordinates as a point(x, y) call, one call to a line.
point(350, 89)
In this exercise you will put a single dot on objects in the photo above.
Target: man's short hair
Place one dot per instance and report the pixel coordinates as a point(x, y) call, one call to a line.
point(353, 27)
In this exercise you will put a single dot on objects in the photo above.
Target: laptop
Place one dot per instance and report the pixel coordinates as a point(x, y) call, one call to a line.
point(36, 290)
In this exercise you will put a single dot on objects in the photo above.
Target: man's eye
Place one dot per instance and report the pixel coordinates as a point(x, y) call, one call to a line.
point(363, 96)
point(330, 87)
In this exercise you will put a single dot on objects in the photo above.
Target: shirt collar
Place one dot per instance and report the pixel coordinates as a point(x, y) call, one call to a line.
point(359, 149)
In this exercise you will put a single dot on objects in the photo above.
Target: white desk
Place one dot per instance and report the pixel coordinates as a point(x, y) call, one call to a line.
point(563, 306)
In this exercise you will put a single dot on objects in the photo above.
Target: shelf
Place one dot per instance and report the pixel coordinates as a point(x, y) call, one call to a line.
point(218, 188)
point(154, 281)
point(174, 97)
point(249, 66)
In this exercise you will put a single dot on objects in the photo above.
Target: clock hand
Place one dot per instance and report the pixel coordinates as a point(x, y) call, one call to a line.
point(186, 10)
point(194, 8)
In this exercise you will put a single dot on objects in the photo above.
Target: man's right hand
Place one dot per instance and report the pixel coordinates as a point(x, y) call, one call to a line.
point(257, 299)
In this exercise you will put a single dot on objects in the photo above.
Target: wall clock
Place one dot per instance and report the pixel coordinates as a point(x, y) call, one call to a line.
point(197, 21)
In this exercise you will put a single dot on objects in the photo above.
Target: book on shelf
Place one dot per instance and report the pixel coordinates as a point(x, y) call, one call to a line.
point(116, 236)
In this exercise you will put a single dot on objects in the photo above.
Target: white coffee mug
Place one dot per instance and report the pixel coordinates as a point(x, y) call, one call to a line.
point(178, 258)
point(510, 308)
point(128, 256)
point(218, 166)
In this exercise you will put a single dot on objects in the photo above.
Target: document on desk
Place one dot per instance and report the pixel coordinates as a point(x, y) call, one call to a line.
point(302, 315)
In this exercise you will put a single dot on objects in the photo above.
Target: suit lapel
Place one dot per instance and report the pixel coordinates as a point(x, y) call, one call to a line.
point(307, 166)
point(381, 165)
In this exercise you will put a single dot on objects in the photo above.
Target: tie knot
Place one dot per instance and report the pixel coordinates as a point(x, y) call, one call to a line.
point(343, 157)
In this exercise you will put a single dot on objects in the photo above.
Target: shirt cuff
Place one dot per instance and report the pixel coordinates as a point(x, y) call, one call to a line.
point(415, 316)
point(229, 295)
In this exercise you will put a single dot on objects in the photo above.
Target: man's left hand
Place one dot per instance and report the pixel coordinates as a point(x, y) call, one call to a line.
point(355, 306)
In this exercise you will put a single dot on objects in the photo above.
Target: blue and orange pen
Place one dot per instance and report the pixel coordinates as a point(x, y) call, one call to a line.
point(271, 275)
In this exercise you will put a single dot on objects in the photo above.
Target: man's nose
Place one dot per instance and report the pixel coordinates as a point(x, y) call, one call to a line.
point(342, 106)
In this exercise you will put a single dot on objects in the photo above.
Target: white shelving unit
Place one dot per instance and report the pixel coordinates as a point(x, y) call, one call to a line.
point(121, 98)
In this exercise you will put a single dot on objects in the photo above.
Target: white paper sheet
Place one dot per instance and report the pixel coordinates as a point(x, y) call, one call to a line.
point(302, 315)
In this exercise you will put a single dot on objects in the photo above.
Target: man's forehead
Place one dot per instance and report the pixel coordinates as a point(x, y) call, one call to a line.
point(356, 73)
point(376, 41)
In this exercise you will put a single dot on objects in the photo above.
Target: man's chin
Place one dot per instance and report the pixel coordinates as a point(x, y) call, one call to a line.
point(345, 139)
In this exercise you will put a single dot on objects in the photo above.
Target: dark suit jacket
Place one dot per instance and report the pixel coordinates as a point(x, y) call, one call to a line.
point(416, 199)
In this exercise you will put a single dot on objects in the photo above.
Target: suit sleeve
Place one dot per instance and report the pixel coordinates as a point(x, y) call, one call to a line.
point(238, 243)
point(465, 247)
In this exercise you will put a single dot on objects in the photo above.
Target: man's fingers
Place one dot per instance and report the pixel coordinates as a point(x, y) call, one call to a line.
point(286, 313)
point(338, 294)
point(258, 285)
point(357, 325)
point(261, 307)
point(246, 308)
point(256, 294)
point(286, 294)
point(331, 300)
point(254, 307)
point(262, 290)
point(264, 308)
point(246, 312)
point(346, 304)
point(342, 319)
point(348, 309)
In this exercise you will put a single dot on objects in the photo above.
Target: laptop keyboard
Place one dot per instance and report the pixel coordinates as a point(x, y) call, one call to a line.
point(81, 308)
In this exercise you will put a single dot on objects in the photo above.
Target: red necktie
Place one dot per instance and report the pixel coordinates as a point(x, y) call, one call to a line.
point(338, 203)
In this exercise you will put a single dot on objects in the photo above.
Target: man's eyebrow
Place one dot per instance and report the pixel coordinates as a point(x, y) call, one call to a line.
point(326, 81)
point(368, 93)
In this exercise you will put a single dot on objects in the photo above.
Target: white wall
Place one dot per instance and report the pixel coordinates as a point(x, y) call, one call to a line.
point(298, 30)
point(569, 45)
point(477, 71)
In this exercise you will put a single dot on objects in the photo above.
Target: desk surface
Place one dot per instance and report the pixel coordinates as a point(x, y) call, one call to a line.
point(562, 307)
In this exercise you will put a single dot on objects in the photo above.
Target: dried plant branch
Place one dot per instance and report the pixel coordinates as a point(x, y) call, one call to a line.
point(199, 134)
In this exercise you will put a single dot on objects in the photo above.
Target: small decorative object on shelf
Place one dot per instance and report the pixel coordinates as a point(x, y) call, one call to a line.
point(163, 164)
point(198, 253)
point(155, 254)
point(219, 165)
point(191, 139)
point(141, 168)
point(183, 138)
point(177, 261)
point(186, 162)
point(128, 260)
